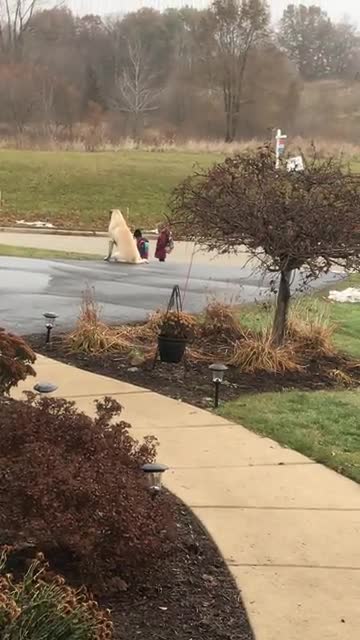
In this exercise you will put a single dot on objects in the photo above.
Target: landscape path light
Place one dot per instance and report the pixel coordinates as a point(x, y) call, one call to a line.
point(44, 387)
point(50, 319)
point(218, 372)
point(154, 472)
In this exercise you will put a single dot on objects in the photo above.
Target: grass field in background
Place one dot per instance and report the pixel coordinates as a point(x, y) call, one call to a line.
point(76, 189)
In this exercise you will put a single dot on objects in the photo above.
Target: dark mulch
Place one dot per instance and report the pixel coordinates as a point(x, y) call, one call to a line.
point(190, 596)
point(192, 383)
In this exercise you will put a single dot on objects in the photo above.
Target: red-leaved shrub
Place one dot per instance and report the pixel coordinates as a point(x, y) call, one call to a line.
point(72, 485)
point(16, 358)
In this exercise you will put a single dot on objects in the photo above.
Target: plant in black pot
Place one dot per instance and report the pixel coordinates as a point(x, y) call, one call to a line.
point(176, 329)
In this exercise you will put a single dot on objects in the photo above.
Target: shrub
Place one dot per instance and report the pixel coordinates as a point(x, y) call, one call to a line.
point(71, 484)
point(220, 323)
point(16, 358)
point(177, 324)
point(257, 352)
point(40, 605)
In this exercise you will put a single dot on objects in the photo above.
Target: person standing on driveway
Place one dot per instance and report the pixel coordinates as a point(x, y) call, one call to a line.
point(164, 245)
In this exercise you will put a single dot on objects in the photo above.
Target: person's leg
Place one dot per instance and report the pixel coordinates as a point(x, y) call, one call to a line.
point(111, 248)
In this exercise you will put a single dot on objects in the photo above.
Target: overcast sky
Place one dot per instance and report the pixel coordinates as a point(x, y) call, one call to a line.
point(336, 8)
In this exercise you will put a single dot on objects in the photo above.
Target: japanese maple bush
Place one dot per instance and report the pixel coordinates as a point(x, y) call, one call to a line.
point(72, 485)
point(307, 220)
point(16, 358)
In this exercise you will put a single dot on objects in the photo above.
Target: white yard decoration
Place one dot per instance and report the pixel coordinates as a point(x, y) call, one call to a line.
point(122, 238)
point(295, 164)
point(347, 295)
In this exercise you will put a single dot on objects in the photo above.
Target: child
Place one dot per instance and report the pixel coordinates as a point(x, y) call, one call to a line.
point(164, 245)
point(142, 244)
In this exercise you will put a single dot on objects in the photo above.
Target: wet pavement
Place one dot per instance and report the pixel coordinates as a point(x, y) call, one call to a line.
point(126, 293)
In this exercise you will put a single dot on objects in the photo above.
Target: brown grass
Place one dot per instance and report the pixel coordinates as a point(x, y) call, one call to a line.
point(256, 352)
point(218, 335)
point(155, 141)
point(311, 333)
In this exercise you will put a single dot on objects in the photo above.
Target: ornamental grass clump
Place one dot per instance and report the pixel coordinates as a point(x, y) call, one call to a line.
point(39, 606)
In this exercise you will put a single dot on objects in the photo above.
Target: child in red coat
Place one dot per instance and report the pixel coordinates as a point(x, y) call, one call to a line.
point(164, 245)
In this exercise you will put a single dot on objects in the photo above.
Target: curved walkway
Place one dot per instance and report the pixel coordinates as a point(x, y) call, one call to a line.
point(288, 528)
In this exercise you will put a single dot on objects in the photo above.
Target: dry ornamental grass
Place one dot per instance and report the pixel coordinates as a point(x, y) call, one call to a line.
point(216, 335)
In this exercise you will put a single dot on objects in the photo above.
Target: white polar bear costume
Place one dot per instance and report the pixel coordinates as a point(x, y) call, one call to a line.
point(122, 238)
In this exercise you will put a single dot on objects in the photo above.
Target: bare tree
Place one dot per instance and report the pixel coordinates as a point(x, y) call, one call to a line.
point(19, 95)
point(319, 47)
point(135, 88)
point(15, 19)
point(234, 28)
point(307, 220)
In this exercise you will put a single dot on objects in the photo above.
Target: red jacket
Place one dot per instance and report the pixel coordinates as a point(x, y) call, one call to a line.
point(164, 242)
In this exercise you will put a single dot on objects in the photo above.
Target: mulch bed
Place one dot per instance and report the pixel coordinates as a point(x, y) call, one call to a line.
point(192, 382)
point(191, 597)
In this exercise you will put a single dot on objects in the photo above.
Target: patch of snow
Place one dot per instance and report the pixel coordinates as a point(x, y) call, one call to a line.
point(37, 224)
point(347, 295)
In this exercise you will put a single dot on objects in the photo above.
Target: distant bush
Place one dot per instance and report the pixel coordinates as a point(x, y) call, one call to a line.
point(39, 606)
point(16, 358)
point(72, 485)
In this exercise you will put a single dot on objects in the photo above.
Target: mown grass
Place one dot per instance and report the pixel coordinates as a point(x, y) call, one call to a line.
point(44, 254)
point(346, 317)
point(323, 425)
point(76, 189)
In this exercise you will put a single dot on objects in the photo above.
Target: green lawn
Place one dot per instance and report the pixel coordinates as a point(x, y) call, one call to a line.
point(344, 317)
point(323, 425)
point(78, 189)
point(29, 252)
point(347, 320)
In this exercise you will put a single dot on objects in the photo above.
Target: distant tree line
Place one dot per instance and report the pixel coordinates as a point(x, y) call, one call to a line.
point(215, 73)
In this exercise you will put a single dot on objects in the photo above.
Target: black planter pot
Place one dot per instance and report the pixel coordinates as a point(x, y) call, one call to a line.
point(171, 349)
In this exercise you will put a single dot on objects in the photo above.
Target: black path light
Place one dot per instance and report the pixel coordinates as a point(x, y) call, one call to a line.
point(218, 372)
point(44, 387)
point(154, 472)
point(50, 319)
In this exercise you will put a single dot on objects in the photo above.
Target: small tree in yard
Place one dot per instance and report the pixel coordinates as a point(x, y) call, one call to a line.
point(306, 220)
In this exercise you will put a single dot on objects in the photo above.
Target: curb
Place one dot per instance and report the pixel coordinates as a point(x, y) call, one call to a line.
point(63, 232)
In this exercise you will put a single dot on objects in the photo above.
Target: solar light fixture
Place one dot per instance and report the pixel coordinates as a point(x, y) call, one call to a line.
point(153, 472)
point(44, 387)
point(218, 372)
point(50, 319)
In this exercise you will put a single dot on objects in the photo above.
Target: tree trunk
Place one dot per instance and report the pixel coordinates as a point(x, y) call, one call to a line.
point(234, 126)
point(282, 308)
point(228, 127)
point(229, 114)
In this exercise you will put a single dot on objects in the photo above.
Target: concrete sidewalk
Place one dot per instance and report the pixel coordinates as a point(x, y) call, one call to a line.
point(95, 245)
point(288, 528)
